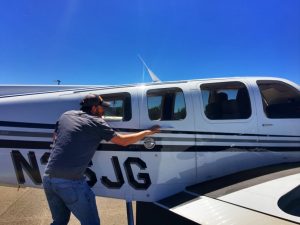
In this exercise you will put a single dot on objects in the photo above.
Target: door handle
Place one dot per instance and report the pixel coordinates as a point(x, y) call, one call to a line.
point(161, 126)
point(166, 127)
point(267, 124)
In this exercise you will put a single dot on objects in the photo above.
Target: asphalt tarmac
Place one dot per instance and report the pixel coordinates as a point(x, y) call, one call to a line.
point(28, 206)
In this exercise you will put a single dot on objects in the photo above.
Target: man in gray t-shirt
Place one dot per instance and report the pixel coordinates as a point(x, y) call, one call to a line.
point(76, 138)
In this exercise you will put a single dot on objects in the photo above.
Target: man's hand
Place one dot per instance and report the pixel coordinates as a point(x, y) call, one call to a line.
point(154, 129)
point(127, 139)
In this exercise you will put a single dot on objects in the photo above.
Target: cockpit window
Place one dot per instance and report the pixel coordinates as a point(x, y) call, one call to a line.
point(225, 100)
point(120, 107)
point(280, 100)
point(166, 104)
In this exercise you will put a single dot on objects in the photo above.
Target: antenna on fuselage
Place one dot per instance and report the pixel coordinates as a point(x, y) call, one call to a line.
point(152, 75)
point(57, 81)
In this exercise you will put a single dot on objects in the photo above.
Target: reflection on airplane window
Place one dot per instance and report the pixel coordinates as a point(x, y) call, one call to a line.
point(226, 100)
point(166, 104)
point(120, 107)
point(279, 99)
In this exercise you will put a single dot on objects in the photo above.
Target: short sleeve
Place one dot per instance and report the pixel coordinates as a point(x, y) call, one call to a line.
point(56, 127)
point(106, 132)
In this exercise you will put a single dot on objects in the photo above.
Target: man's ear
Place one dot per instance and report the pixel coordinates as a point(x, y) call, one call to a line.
point(93, 110)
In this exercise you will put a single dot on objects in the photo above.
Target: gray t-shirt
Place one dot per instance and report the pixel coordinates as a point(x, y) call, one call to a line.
point(78, 136)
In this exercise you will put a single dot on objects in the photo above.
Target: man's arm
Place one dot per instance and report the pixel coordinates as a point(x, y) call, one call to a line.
point(127, 139)
point(54, 136)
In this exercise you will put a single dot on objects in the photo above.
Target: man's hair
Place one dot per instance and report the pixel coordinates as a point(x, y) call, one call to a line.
point(88, 102)
point(92, 100)
point(86, 109)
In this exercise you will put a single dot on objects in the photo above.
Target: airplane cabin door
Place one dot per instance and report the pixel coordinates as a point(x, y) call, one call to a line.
point(116, 166)
point(169, 155)
point(226, 125)
point(278, 104)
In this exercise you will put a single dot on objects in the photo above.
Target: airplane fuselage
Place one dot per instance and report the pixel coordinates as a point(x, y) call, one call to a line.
point(210, 128)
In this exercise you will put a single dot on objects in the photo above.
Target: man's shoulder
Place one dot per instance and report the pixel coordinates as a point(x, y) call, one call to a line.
point(99, 120)
point(73, 112)
point(84, 117)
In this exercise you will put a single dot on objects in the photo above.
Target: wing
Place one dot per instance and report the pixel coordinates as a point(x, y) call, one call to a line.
point(18, 90)
point(266, 195)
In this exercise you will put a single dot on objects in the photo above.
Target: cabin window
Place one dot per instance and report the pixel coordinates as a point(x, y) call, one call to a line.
point(226, 100)
point(280, 100)
point(166, 104)
point(120, 107)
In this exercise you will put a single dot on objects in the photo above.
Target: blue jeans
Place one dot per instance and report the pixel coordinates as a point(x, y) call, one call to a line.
point(66, 196)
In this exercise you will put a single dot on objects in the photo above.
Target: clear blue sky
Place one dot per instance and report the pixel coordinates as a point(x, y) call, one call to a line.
point(97, 41)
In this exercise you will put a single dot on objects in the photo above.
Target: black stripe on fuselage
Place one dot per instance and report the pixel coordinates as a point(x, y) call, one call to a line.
point(26, 125)
point(25, 134)
point(12, 144)
point(231, 139)
point(206, 133)
point(52, 126)
point(194, 148)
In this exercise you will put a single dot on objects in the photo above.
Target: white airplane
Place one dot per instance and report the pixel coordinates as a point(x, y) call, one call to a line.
point(228, 151)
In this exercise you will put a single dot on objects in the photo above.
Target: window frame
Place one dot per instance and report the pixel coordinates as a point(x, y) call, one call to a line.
point(243, 85)
point(164, 91)
point(127, 105)
point(265, 102)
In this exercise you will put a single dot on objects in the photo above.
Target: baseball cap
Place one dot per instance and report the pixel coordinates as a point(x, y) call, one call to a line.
point(92, 99)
